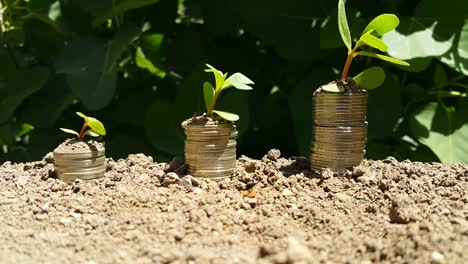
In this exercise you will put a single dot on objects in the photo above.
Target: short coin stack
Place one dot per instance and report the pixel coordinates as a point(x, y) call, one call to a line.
point(80, 165)
point(210, 150)
point(339, 130)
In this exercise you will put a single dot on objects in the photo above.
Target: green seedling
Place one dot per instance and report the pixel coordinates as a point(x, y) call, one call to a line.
point(96, 128)
point(374, 76)
point(237, 80)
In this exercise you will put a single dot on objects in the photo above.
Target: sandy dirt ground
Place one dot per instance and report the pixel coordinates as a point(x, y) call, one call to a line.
point(273, 210)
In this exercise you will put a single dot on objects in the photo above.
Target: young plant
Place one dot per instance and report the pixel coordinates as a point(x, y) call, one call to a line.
point(96, 128)
point(222, 82)
point(374, 76)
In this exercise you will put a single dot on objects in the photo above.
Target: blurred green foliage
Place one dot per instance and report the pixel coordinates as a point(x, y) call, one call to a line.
point(137, 65)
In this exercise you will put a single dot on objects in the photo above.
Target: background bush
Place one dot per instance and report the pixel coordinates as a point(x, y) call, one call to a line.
point(137, 65)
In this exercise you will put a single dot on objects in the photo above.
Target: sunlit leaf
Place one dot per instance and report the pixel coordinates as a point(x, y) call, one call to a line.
point(373, 42)
point(382, 24)
point(445, 133)
point(219, 76)
point(370, 78)
point(142, 62)
point(208, 92)
point(96, 126)
point(226, 115)
point(82, 115)
point(239, 81)
point(382, 57)
point(333, 88)
point(25, 129)
point(69, 131)
point(91, 133)
point(343, 25)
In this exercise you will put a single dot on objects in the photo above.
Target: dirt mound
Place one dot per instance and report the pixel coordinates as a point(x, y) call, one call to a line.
point(273, 211)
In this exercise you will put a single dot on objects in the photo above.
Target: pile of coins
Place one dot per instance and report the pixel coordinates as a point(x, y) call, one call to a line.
point(210, 150)
point(80, 165)
point(339, 130)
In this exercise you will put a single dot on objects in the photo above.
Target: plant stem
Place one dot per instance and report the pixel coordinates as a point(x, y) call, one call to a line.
point(211, 108)
point(344, 74)
point(80, 137)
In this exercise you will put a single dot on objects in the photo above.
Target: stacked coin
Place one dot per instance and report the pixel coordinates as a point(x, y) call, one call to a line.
point(81, 165)
point(210, 150)
point(339, 130)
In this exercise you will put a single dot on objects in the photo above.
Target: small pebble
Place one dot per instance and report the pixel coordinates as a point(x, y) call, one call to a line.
point(287, 192)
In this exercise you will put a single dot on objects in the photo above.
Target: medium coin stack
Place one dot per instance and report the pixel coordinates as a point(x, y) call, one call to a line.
point(81, 165)
point(339, 130)
point(210, 150)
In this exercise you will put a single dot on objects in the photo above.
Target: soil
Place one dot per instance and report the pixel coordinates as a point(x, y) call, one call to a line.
point(78, 146)
point(274, 210)
point(203, 120)
point(349, 86)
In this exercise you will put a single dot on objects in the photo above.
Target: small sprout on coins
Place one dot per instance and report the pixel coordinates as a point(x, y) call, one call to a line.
point(96, 128)
point(374, 76)
point(237, 80)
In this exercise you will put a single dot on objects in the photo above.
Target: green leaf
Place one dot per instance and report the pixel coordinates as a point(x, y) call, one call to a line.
point(142, 62)
point(370, 78)
point(382, 24)
point(69, 131)
point(96, 126)
point(333, 88)
point(239, 81)
point(343, 25)
point(440, 77)
point(17, 83)
point(25, 129)
point(415, 40)
point(120, 8)
point(373, 42)
point(445, 133)
point(208, 92)
point(219, 76)
point(226, 115)
point(382, 57)
point(91, 133)
point(82, 115)
point(457, 56)
point(90, 65)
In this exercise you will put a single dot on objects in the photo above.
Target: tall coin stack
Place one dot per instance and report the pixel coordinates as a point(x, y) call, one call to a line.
point(210, 150)
point(339, 130)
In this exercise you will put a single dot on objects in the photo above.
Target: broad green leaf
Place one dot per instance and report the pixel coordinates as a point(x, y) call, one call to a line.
point(226, 115)
point(90, 65)
point(91, 133)
point(142, 62)
point(373, 42)
point(457, 56)
point(382, 24)
point(333, 88)
point(239, 81)
point(445, 133)
point(208, 92)
point(415, 40)
point(120, 8)
point(96, 126)
point(440, 77)
point(343, 25)
point(17, 83)
point(82, 115)
point(382, 57)
point(370, 78)
point(219, 76)
point(69, 131)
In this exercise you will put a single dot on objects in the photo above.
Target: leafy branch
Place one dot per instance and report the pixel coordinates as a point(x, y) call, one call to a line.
point(222, 82)
point(96, 128)
point(374, 76)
